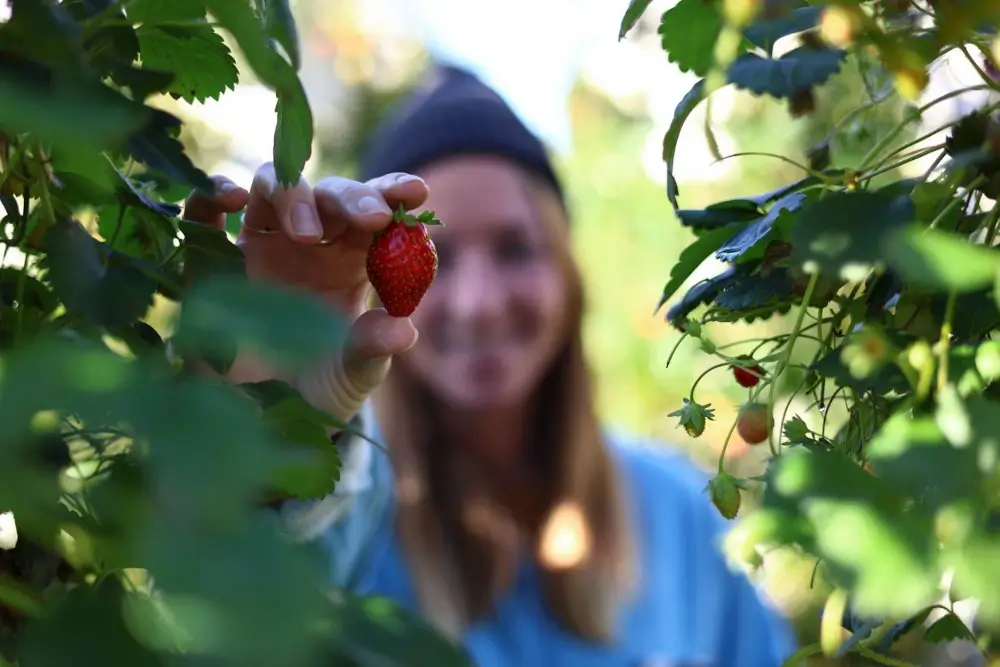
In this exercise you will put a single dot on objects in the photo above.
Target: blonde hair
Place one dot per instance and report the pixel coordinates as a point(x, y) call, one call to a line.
point(461, 545)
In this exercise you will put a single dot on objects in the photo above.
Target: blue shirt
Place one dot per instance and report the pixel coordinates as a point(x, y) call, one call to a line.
point(690, 610)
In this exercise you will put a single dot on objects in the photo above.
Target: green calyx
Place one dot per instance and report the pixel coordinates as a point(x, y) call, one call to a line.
point(410, 220)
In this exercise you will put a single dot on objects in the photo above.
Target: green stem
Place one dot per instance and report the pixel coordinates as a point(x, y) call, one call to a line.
point(987, 79)
point(991, 221)
point(945, 341)
point(955, 203)
point(916, 155)
point(732, 427)
point(789, 346)
point(911, 117)
point(701, 377)
point(882, 659)
point(676, 346)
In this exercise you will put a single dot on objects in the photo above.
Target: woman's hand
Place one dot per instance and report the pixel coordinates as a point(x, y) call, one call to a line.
point(316, 239)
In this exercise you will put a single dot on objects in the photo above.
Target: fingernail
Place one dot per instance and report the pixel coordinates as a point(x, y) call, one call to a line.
point(225, 187)
point(369, 205)
point(407, 178)
point(304, 220)
point(416, 337)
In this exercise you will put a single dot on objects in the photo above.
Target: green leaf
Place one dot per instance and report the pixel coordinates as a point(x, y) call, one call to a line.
point(977, 570)
point(76, 114)
point(948, 628)
point(293, 134)
point(703, 292)
point(45, 32)
point(242, 596)
point(888, 378)
point(688, 32)
point(846, 234)
point(110, 46)
point(311, 465)
point(912, 456)
point(86, 626)
point(105, 288)
point(378, 631)
point(935, 260)
point(690, 259)
point(208, 251)
point(800, 69)
point(636, 8)
point(240, 19)
point(156, 146)
point(718, 215)
point(751, 237)
point(219, 431)
point(154, 11)
point(279, 24)
point(884, 555)
point(757, 291)
point(196, 55)
point(688, 103)
point(764, 32)
point(287, 326)
point(131, 193)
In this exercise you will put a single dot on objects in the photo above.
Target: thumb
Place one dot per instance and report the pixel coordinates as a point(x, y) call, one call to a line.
point(374, 338)
point(341, 385)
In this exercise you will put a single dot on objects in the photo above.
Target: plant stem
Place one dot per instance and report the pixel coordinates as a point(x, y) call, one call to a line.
point(702, 376)
point(911, 117)
point(673, 351)
point(916, 155)
point(954, 203)
point(945, 341)
point(789, 346)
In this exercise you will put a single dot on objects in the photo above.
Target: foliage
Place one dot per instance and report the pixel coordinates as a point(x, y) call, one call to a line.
point(137, 480)
point(890, 476)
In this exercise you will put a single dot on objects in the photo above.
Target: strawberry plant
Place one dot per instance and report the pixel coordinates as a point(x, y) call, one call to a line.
point(136, 484)
point(881, 377)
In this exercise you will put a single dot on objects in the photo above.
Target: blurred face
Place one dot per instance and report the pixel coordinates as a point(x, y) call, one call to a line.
point(495, 317)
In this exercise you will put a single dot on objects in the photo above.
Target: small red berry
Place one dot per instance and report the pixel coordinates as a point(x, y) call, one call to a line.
point(402, 262)
point(754, 423)
point(745, 376)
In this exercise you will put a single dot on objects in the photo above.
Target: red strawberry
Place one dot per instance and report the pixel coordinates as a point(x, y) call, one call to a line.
point(754, 423)
point(745, 376)
point(402, 261)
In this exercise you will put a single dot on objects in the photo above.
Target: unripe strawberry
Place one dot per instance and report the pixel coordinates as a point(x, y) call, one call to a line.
point(402, 262)
point(725, 494)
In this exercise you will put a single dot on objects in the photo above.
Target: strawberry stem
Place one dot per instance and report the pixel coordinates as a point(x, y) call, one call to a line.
point(426, 218)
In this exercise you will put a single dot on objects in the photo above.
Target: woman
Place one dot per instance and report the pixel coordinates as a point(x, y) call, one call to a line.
point(508, 517)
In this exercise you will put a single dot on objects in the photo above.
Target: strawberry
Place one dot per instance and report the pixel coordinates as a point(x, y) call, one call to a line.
point(725, 493)
point(402, 261)
point(745, 376)
point(754, 423)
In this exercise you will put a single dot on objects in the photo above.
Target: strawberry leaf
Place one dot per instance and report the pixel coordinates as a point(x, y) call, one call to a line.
point(688, 32)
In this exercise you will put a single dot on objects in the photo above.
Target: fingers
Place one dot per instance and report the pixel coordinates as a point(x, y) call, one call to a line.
point(211, 210)
point(368, 206)
point(342, 386)
point(292, 210)
point(375, 337)
point(399, 188)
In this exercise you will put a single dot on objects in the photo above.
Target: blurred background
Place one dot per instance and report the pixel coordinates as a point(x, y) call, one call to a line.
point(603, 106)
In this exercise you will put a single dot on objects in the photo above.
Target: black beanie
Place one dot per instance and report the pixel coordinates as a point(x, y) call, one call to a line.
point(454, 113)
